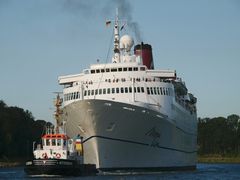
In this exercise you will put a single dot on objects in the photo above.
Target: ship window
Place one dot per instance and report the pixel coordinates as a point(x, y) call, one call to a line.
point(142, 68)
point(148, 91)
point(119, 69)
point(122, 90)
point(155, 91)
point(108, 90)
point(151, 90)
point(74, 95)
point(58, 142)
point(92, 71)
point(53, 142)
point(89, 92)
point(142, 89)
point(96, 91)
point(113, 90)
point(161, 91)
point(138, 89)
point(107, 70)
point(167, 91)
point(98, 71)
point(158, 92)
point(135, 89)
point(126, 90)
point(100, 91)
point(135, 69)
point(124, 69)
point(130, 89)
point(130, 69)
point(78, 95)
point(104, 91)
point(102, 70)
point(92, 93)
point(85, 93)
point(113, 70)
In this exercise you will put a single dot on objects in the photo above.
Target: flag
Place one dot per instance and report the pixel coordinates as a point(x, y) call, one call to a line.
point(122, 26)
point(108, 23)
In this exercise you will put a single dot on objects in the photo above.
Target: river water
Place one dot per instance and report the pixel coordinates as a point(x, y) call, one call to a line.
point(203, 172)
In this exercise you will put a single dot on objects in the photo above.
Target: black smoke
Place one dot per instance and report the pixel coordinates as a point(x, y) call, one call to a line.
point(105, 9)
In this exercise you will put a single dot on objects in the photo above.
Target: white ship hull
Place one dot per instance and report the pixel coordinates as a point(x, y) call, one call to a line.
point(123, 136)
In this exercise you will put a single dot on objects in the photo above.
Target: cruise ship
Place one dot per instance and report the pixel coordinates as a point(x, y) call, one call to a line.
point(130, 115)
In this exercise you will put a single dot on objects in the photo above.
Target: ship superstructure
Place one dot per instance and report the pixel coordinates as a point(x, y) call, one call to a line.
point(131, 115)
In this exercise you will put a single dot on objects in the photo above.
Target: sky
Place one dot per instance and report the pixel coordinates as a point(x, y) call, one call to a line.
point(41, 40)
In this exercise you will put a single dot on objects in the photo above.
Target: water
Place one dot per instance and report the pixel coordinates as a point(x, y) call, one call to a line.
point(203, 172)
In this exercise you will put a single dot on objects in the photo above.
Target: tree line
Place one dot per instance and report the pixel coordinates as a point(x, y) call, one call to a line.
point(219, 135)
point(18, 130)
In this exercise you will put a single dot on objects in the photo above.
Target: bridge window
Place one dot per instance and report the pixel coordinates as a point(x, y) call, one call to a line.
point(148, 90)
point(98, 71)
point(107, 70)
point(130, 69)
point(126, 90)
point(142, 68)
point(89, 92)
point(92, 71)
point(158, 90)
point(135, 69)
point(96, 91)
point(130, 89)
point(155, 91)
point(113, 90)
point(122, 90)
point(108, 91)
point(124, 69)
point(138, 89)
point(161, 91)
point(142, 89)
point(113, 69)
point(119, 69)
point(104, 91)
point(92, 93)
point(117, 90)
point(151, 90)
point(102, 70)
point(100, 91)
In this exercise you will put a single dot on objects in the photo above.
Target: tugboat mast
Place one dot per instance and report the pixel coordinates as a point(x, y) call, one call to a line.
point(58, 112)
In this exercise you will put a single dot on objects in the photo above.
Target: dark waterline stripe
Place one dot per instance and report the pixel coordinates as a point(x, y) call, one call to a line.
point(139, 143)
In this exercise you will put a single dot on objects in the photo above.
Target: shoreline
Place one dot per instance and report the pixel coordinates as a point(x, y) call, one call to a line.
point(218, 159)
point(10, 164)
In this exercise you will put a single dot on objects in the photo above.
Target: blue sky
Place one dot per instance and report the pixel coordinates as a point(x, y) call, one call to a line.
point(40, 40)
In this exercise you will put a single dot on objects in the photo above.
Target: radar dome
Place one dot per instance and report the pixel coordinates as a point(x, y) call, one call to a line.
point(126, 42)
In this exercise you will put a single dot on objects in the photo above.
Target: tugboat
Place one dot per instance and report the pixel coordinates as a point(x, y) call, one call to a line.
point(58, 154)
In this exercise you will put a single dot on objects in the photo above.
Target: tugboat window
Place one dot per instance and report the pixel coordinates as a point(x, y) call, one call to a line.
point(48, 142)
point(58, 142)
point(53, 142)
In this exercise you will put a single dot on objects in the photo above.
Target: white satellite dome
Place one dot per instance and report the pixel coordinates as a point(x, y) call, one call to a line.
point(126, 42)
